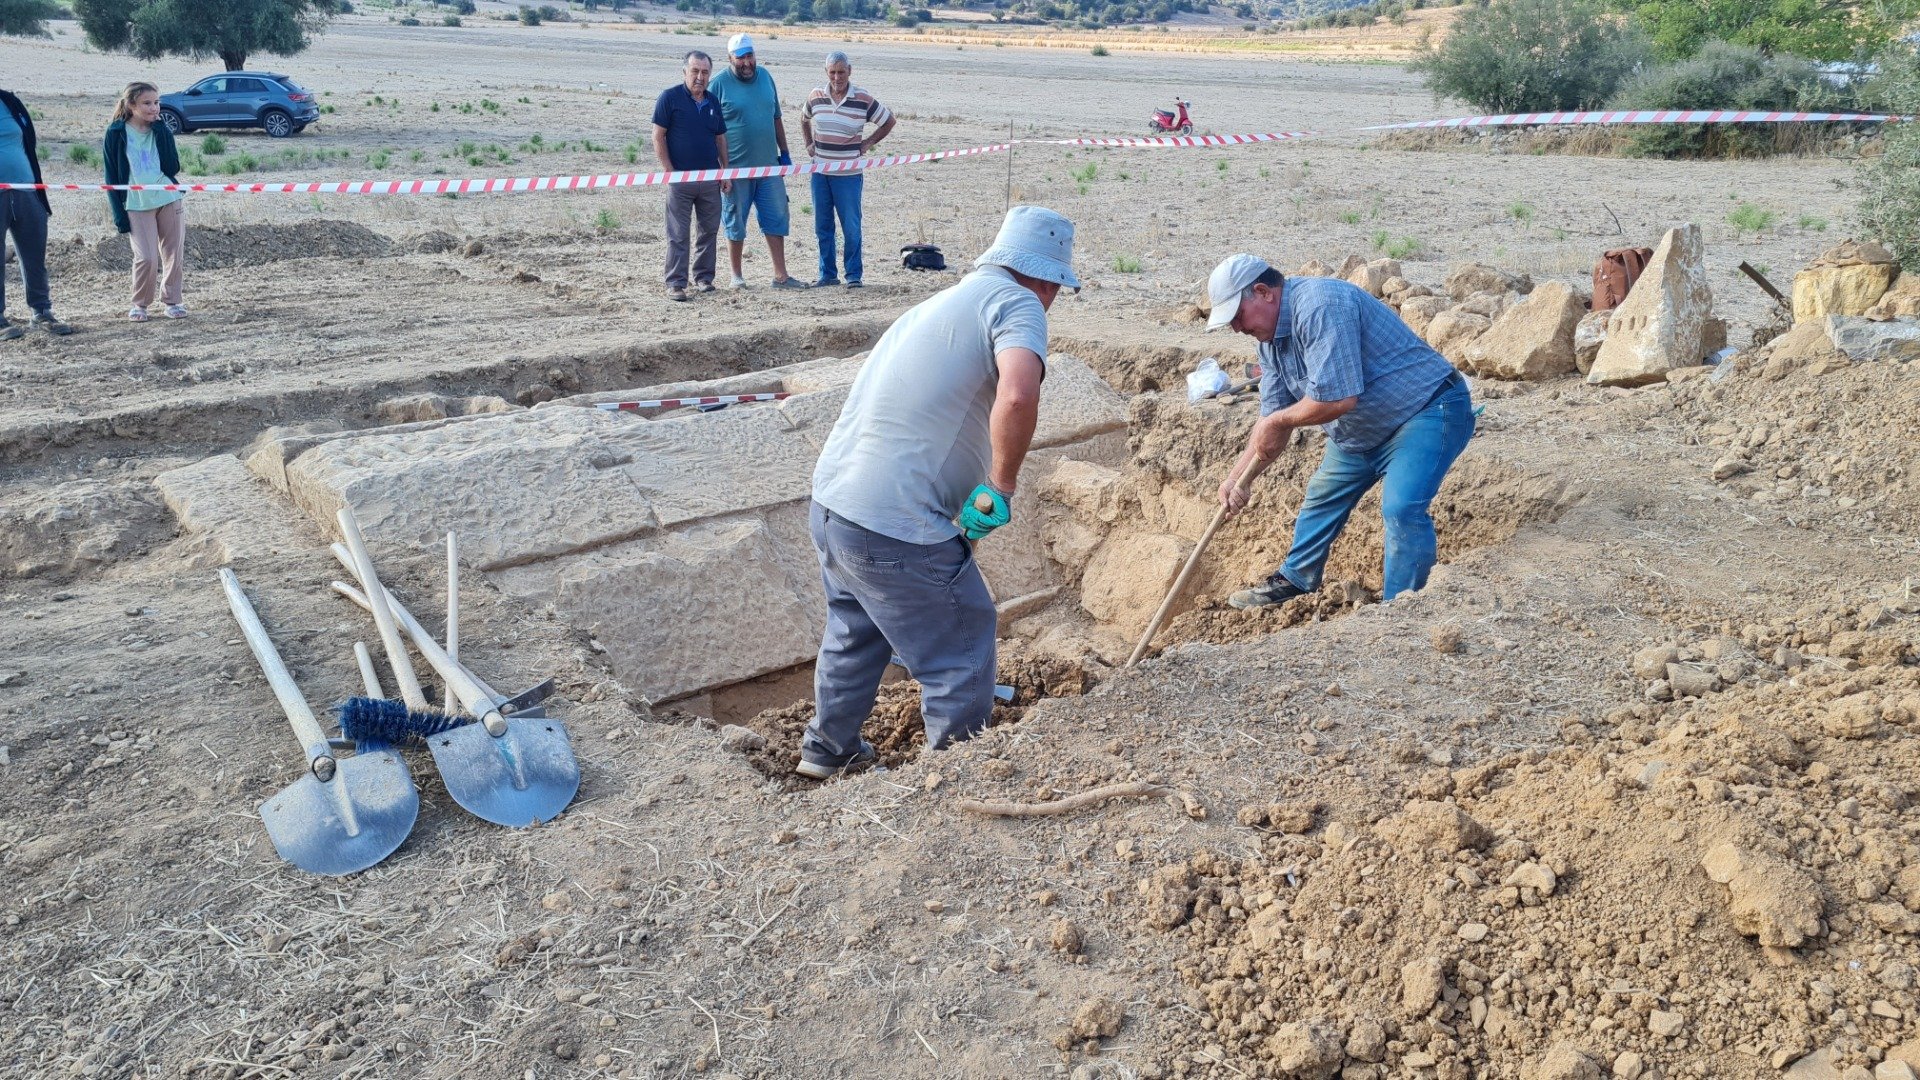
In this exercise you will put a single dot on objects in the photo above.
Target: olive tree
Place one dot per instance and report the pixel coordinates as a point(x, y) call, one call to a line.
point(1533, 56)
point(27, 18)
point(229, 29)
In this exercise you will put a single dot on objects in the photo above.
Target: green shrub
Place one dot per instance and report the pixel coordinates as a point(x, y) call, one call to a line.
point(528, 16)
point(1889, 208)
point(1748, 218)
point(1533, 56)
point(447, 20)
point(606, 221)
point(409, 21)
point(1100, 50)
point(213, 145)
point(1726, 76)
point(1126, 264)
point(82, 154)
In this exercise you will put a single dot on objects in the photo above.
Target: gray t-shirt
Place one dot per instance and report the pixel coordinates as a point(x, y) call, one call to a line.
point(913, 440)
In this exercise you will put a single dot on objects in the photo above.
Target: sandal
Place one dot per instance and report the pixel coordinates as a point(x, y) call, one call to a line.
point(176, 311)
point(138, 314)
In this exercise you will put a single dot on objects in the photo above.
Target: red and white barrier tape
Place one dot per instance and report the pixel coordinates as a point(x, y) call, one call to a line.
point(521, 185)
point(674, 403)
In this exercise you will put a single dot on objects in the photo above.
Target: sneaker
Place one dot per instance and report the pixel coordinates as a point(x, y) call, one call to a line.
point(138, 314)
point(814, 770)
point(706, 286)
point(176, 311)
point(1277, 590)
point(855, 285)
point(11, 331)
point(676, 293)
point(739, 282)
point(826, 282)
point(48, 321)
point(789, 283)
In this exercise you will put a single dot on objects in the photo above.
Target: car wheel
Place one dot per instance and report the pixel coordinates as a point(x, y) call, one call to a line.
point(278, 124)
point(174, 121)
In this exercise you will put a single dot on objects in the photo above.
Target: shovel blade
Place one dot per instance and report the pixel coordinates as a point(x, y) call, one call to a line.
point(520, 779)
point(344, 825)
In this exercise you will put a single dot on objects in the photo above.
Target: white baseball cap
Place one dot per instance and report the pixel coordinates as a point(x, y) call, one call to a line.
point(1234, 276)
point(739, 45)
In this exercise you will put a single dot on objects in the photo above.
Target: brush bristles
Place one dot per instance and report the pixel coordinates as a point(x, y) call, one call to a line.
point(379, 720)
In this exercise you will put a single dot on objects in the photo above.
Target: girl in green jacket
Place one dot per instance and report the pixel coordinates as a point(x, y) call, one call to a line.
point(140, 150)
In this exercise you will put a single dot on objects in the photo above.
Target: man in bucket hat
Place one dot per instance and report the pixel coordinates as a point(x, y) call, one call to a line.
point(921, 464)
point(1395, 412)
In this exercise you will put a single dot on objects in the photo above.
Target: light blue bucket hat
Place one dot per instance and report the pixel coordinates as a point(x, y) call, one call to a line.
point(1034, 241)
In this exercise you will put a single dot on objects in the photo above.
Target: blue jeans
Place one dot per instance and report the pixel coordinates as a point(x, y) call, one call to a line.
point(926, 602)
point(837, 193)
point(1412, 463)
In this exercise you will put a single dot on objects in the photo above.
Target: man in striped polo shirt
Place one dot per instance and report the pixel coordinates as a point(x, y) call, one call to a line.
point(832, 124)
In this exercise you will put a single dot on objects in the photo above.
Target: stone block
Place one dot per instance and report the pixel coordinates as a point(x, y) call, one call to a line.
point(1470, 278)
point(1865, 340)
point(1588, 335)
point(1418, 312)
point(685, 611)
point(1530, 340)
point(229, 514)
point(1662, 323)
point(516, 487)
point(705, 465)
point(1901, 300)
point(1840, 290)
point(1453, 330)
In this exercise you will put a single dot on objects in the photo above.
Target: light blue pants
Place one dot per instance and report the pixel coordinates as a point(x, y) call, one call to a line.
point(884, 596)
point(1410, 466)
point(837, 194)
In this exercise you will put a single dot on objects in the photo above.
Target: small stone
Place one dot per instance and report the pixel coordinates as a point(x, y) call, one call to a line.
point(1334, 690)
point(933, 781)
point(785, 836)
point(1562, 1061)
point(12, 678)
point(1098, 1019)
point(1894, 1070)
point(1367, 1041)
point(934, 906)
point(1532, 875)
point(1691, 681)
point(1445, 638)
point(1629, 1066)
point(1419, 1059)
point(1066, 937)
point(1728, 467)
point(1473, 931)
point(1666, 1024)
point(1308, 1049)
point(1422, 982)
point(559, 901)
point(742, 739)
point(1651, 663)
point(1884, 1009)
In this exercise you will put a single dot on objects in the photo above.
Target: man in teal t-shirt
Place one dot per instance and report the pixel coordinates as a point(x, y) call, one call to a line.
point(750, 104)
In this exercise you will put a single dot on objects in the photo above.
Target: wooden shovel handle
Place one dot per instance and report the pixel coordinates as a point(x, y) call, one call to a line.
point(1179, 583)
point(475, 696)
point(397, 657)
point(305, 727)
point(453, 610)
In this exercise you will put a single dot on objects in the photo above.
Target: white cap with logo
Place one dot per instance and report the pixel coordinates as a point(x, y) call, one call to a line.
point(739, 45)
point(1233, 277)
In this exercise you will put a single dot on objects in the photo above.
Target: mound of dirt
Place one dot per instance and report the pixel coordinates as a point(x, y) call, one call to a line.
point(1715, 886)
point(895, 728)
point(60, 532)
point(218, 247)
point(1799, 425)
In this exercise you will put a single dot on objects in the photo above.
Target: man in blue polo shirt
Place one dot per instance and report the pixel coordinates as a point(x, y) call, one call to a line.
point(1395, 412)
point(688, 134)
point(750, 104)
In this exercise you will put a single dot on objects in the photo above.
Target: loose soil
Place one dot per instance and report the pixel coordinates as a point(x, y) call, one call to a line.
point(1627, 789)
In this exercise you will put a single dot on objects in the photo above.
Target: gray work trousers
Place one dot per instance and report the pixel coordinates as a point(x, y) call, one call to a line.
point(22, 216)
point(699, 199)
point(926, 602)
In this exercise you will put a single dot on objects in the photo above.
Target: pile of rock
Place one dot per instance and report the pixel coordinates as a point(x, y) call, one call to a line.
point(1855, 278)
point(1494, 324)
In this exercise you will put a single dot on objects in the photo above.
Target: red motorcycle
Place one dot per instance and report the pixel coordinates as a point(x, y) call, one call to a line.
point(1171, 123)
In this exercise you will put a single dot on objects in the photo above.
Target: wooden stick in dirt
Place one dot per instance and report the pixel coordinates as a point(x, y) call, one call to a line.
point(1244, 481)
point(1064, 806)
point(448, 704)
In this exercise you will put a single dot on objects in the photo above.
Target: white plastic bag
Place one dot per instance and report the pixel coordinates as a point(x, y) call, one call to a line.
point(1206, 381)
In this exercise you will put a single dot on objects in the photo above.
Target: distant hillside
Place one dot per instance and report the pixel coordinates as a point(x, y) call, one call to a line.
point(1091, 14)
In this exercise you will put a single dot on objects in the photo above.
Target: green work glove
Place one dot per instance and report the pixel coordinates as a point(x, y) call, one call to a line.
point(979, 522)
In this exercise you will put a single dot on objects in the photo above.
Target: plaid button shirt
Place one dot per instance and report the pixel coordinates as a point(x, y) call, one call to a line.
point(1332, 341)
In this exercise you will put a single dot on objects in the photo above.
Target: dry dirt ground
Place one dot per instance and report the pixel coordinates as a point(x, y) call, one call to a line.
point(1457, 835)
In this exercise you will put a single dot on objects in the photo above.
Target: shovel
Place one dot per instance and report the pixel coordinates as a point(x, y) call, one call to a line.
point(516, 772)
point(346, 814)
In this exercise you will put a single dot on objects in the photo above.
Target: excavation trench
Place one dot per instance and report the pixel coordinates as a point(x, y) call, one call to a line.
point(677, 540)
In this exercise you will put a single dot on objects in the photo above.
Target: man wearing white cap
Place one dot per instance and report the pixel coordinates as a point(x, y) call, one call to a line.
point(1395, 411)
point(750, 104)
point(921, 463)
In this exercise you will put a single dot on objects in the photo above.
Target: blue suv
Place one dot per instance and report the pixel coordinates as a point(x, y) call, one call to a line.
point(259, 99)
